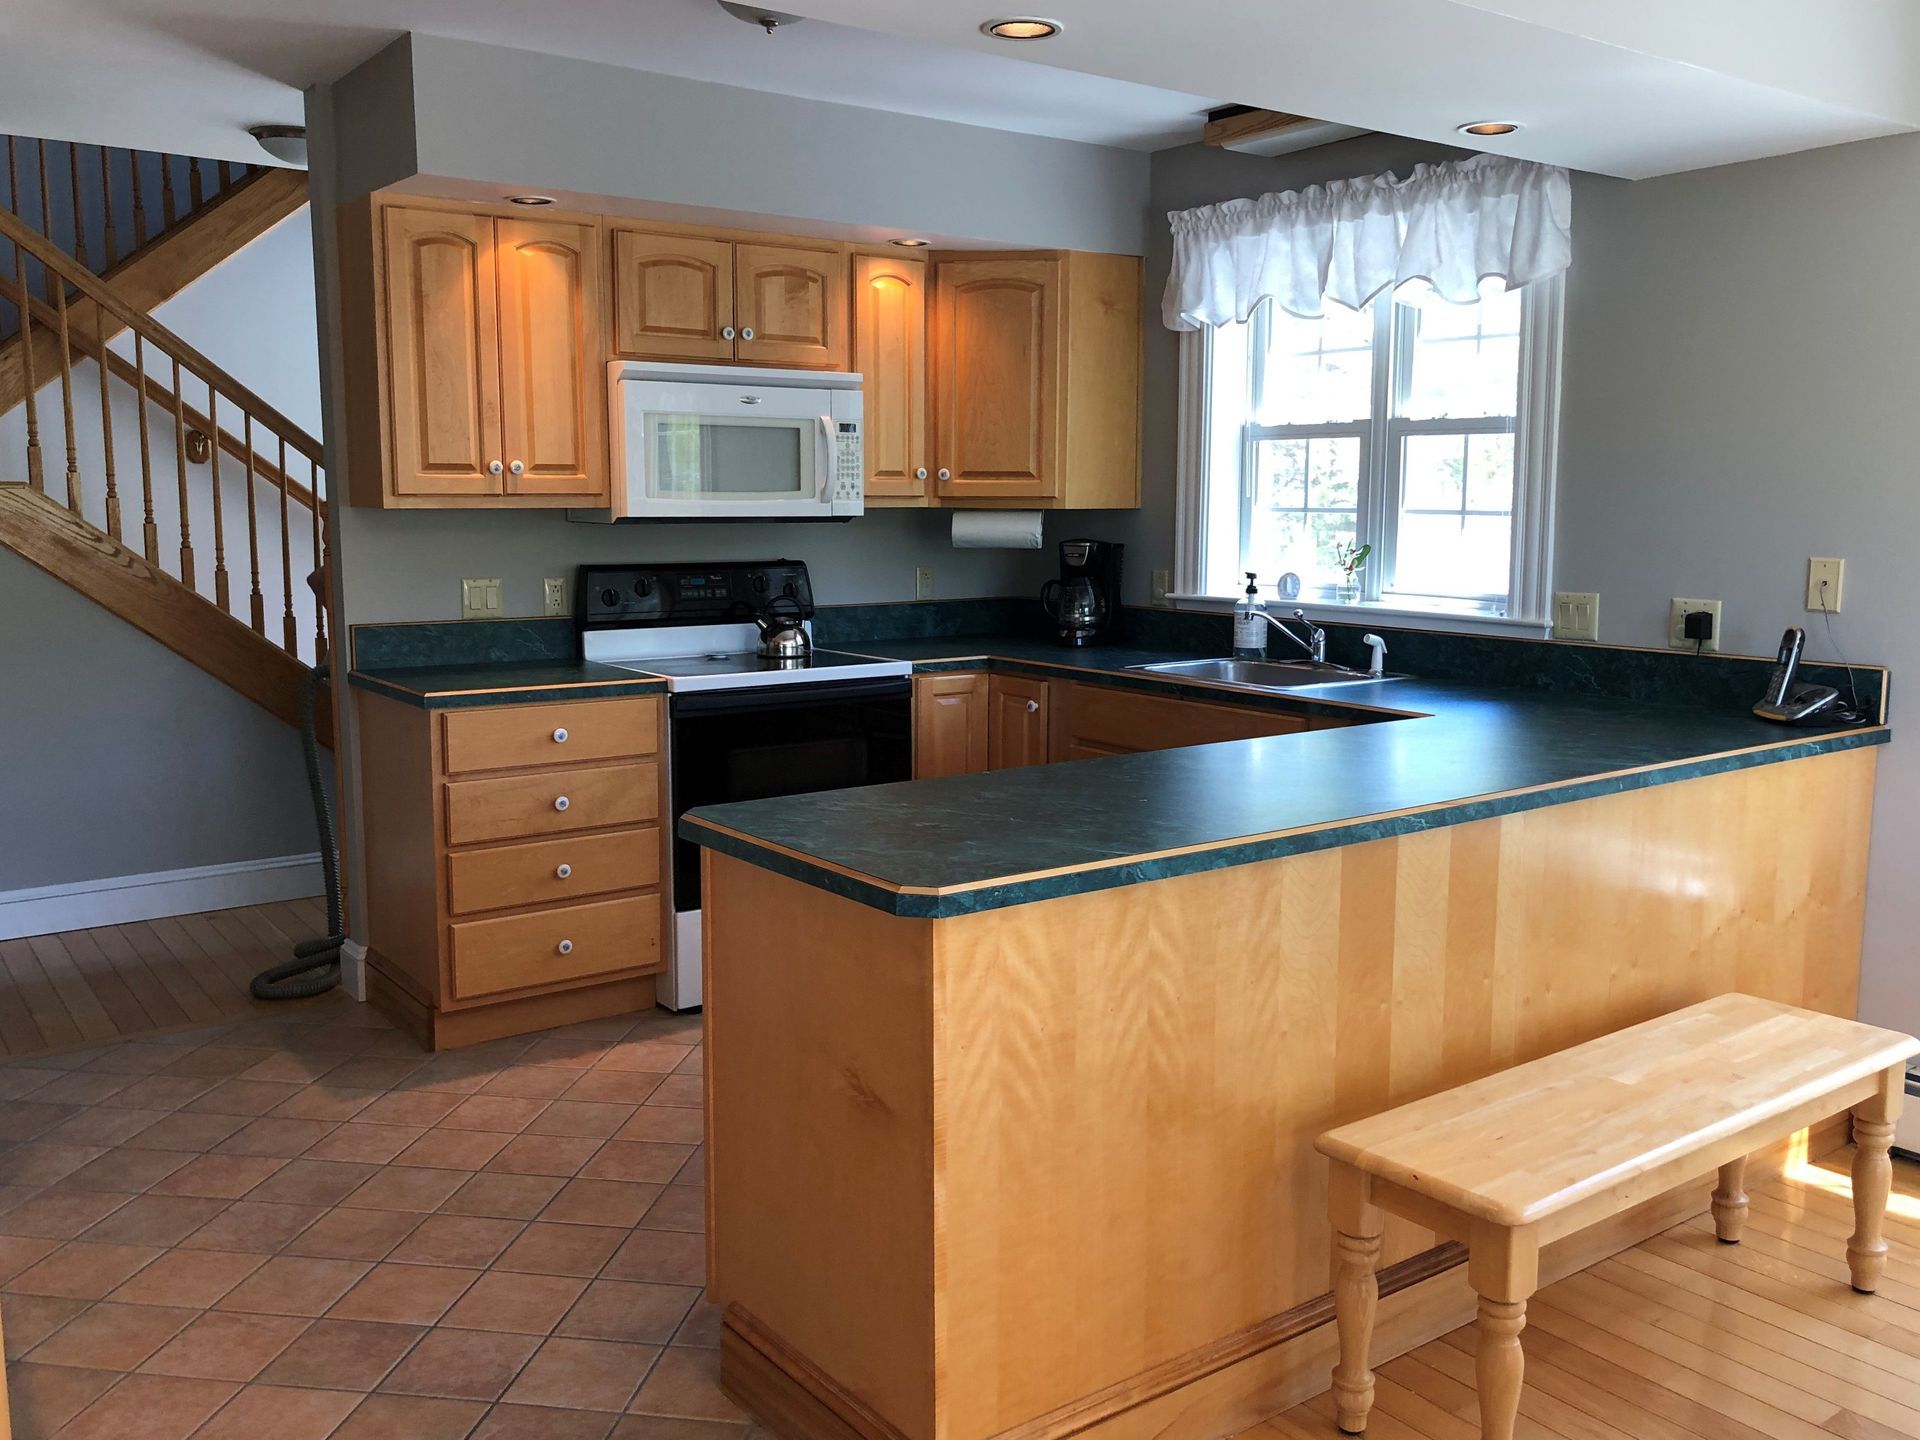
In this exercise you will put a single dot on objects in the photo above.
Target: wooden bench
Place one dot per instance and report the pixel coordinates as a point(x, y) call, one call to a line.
point(1514, 1161)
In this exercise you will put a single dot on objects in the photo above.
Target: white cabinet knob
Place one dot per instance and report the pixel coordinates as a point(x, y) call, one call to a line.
point(518, 467)
point(494, 467)
point(727, 333)
point(565, 947)
point(563, 870)
point(945, 474)
point(561, 802)
point(921, 473)
point(746, 332)
point(560, 736)
point(1032, 706)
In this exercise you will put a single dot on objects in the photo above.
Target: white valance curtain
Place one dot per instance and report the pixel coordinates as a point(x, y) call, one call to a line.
point(1451, 225)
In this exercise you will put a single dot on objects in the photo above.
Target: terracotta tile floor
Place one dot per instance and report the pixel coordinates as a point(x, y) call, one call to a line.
point(300, 1225)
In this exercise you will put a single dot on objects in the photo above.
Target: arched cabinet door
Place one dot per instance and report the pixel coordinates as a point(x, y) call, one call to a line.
point(997, 359)
point(672, 296)
point(552, 373)
point(890, 352)
point(790, 303)
point(443, 353)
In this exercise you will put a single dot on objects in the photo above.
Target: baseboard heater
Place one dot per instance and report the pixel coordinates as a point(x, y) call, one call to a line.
point(1906, 1134)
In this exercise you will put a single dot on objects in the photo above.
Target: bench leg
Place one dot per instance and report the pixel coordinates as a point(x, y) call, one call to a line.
point(1504, 1268)
point(1873, 1181)
point(1357, 1226)
point(1730, 1202)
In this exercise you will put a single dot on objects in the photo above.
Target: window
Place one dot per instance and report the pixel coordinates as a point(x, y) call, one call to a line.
point(1422, 430)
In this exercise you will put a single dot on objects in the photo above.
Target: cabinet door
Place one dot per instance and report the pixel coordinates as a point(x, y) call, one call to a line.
point(1016, 722)
point(890, 352)
point(443, 353)
point(1095, 720)
point(791, 305)
point(949, 725)
point(553, 391)
point(997, 377)
point(672, 296)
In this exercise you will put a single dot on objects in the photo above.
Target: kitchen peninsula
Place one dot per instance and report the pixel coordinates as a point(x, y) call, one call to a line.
point(1013, 1078)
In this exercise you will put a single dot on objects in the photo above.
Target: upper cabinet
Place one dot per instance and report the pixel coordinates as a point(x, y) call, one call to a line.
point(476, 360)
point(890, 352)
point(1036, 363)
point(696, 298)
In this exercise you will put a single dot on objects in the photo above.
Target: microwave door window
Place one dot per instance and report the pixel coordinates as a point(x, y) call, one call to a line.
point(701, 457)
point(678, 455)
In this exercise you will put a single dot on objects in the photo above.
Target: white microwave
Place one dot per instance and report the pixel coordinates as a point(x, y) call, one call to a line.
point(709, 442)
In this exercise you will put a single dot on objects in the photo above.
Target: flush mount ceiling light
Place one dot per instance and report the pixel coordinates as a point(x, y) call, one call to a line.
point(767, 20)
point(910, 244)
point(530, 199)
point(1487, 128)
point(1021, 27)
point(285, 143)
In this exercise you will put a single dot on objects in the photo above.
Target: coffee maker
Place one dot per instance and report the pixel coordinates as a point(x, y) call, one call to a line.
point(1084, 603)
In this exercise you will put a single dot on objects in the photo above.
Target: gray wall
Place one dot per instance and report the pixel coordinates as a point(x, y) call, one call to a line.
point(124, 758)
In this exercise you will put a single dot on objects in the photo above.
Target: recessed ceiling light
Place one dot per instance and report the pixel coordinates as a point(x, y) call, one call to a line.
point(1485, 128)
point(531, 199)
point(1021, 27)
point(910, 244)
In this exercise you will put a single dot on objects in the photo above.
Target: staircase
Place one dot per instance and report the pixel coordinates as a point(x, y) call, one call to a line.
point(132, 467)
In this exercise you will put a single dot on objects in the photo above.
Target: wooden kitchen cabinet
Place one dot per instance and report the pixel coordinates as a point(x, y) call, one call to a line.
point(890, 352)
point(950, 725)
point(1036, 366)
point(730, 298)
point(514, 863)
point(672, 296)
point(475, 344)
point(791, 304)
point(1017, 714)
point(1088, 721)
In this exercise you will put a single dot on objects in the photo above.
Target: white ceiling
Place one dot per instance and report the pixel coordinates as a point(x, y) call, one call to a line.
point(1624, 87)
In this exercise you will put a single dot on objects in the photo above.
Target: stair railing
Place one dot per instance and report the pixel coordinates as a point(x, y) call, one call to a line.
point(187, 413)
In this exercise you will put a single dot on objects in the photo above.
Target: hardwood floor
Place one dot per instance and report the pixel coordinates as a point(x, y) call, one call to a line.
point(83, 988)
point(1682, 1337)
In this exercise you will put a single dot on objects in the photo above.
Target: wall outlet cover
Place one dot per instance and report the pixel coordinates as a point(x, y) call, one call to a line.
point(480, 599)
point(1576, 615)
point(1677, 612)
point(1834, 573)
point(1162, 583)
point(923, 583)
point(556, 595)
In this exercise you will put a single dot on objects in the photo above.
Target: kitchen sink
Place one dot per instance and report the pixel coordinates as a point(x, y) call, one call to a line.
point(1266, 674)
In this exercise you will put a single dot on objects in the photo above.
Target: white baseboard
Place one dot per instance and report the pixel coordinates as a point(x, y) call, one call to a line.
point(119, 899)
point(353, 970)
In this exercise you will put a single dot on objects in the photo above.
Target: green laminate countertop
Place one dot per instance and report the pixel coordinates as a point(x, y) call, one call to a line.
point(1462, 752)
point(442, 687)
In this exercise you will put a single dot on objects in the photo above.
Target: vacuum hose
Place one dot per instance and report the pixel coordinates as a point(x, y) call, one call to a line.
point(315, 967)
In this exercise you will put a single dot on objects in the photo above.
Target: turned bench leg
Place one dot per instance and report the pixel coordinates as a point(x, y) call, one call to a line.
point(1503, 1266)
point(1730, 1202)
point(1357, 1226)
point(1873, 1123)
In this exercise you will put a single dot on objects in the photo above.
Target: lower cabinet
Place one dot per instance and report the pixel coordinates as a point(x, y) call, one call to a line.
point(513, 863)
point(950, 719)
point(1094, 720)
point(1017, 712)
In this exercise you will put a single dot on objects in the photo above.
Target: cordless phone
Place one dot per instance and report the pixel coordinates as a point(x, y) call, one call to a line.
point(1786, 702)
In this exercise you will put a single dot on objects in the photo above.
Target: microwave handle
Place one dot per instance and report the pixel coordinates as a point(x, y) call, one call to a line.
point(826, 465)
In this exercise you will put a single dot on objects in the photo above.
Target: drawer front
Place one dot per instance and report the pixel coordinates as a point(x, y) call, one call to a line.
point(552, 872)
point(509, 736)
point(584, 798)
point(549, 947)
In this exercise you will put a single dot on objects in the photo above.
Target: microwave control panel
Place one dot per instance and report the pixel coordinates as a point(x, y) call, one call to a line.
point(849, 476)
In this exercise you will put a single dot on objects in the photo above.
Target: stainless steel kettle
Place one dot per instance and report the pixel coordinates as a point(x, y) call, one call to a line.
point(783, 631)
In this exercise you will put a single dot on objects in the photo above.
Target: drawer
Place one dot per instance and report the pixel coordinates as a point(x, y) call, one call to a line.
point(551, 872)
point(506, 737)
point(549, 947)
point(584, 797)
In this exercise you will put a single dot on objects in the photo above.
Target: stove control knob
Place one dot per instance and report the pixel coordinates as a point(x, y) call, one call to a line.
point(610, 597)
point(561, 802)
point(643, 587)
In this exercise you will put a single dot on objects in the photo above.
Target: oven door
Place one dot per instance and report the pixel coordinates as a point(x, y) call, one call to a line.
point(771, 740)
point(712, 450)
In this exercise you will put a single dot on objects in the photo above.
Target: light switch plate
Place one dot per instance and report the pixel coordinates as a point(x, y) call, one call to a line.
point(1677, 612)
point(1576, 615)
point(480, 599)
point(1834, 572)
point(556, 593)
point(1162, 582)
point(923, 583)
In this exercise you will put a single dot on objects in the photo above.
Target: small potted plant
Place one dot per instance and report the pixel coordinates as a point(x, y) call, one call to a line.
point(1350, 558)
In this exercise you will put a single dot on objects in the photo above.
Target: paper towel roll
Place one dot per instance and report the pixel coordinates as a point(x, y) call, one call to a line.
point(996, 529)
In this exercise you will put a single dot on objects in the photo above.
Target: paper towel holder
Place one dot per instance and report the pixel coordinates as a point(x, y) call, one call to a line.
point(998, 529)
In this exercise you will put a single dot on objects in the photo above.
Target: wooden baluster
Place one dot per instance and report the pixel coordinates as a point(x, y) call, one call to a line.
point(180, 454)
point(102, 355)
point(46, 218)
point(257, 605)
point(195, 197)
point(79, 213)
point(149, 532)
point(290, 631)
point(109, 241)
point(226, 174)
point(319, 559)
point(139, 203)
point(36, 465)
point(13, 178)
point(66, 399)
point(169, 209)
point(220, 595)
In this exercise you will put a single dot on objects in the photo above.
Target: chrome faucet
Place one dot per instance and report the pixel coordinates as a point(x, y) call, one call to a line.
point(1314, 642)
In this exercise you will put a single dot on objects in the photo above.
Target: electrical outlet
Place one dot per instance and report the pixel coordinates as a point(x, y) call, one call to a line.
point(1825, 577)
point(1677, 613)
point(923, 583)
point(480, 599)
point(556, 592)
point(1162, 582)
point(1576, 615)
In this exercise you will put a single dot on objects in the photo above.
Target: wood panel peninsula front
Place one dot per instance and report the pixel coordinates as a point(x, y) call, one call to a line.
point(1013, 1078)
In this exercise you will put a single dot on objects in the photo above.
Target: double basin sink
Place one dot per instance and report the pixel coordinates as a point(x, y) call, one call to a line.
point(1277, 675)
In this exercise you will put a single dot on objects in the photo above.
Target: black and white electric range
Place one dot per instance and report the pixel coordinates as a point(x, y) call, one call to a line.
point(741, 726)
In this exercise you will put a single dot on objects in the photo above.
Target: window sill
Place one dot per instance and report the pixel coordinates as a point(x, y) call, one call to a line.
point(1397, 617)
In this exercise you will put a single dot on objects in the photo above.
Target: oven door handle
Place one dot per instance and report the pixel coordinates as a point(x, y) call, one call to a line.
point(789, 697)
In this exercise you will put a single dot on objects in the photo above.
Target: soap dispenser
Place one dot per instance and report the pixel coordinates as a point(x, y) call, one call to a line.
point(1250, 624)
